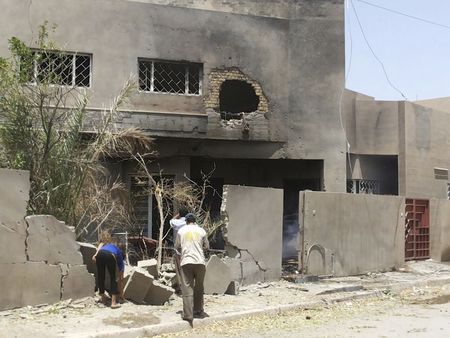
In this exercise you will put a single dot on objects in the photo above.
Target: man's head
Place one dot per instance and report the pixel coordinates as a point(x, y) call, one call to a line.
point(190, 218)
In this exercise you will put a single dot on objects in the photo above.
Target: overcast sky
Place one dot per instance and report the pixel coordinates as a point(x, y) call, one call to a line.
point(414, 53)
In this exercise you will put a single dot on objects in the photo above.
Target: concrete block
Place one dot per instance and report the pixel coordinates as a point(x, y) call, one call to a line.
point(87, 252)
point(235, 266)
point(51, 241)
point(77, 283)
point(217, 277)
point(158, 294)
point(150, 265)
point(137, 286)
point(14, 195)
point(14, 192)
point(29, 283)
point(233, 288)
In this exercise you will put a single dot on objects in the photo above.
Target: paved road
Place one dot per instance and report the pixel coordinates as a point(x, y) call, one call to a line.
point(417, 314)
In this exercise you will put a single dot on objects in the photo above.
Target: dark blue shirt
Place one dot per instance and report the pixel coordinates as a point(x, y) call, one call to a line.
point(117, 252)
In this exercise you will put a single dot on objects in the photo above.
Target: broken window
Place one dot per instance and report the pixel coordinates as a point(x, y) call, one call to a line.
point(170, 77)
point(58, 68)
point(237, 97)
point(363, 186)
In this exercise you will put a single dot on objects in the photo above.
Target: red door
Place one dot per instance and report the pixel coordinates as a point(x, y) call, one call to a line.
point(417, 229)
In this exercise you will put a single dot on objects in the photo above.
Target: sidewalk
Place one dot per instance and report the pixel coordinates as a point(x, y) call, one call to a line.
point(85, 318)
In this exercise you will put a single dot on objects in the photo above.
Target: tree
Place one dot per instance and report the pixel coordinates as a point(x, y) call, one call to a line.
point(44, 130)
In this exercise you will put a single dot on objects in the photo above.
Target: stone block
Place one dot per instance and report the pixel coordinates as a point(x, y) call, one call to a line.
point(217, 277)
point(87, 252)
point(77, 283)
point(138, 285)
point(235, 266)
point(158, 294)
point(29, 283)
point(51, 241)
point(233, 288)
point(150, 265)
point(12, 245)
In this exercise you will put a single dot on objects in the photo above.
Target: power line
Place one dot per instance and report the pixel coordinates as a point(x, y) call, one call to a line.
point(404, 14)
point(373, 52)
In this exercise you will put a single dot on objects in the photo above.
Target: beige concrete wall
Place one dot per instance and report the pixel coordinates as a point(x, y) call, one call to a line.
point(347, 234)
point(426, 146)
point(440, 229)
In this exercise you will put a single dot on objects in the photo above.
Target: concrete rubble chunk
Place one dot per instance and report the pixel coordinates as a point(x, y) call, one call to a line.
point(217, 277)
point(138, 285)
point(158, 294)
point(29, 283)
point(51, 241)
point(150, 265)
point(77, 283)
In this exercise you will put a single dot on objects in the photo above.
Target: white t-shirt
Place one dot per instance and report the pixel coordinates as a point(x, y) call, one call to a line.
point(192, 239)
point(176, 224)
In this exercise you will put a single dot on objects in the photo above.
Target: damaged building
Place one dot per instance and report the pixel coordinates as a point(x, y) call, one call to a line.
point(252, 91)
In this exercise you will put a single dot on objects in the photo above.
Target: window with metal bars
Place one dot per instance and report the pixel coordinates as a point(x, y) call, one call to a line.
point(363, 186)
point(58, 68)
point(170, 77)
point(448, 191)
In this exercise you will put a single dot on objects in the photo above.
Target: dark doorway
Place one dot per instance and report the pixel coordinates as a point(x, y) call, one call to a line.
point(237, 97)
point(291, 213)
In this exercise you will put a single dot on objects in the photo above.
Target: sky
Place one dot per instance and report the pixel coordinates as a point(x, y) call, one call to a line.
point(415, 54)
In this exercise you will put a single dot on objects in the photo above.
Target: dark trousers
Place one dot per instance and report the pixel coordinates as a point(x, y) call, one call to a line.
point(192, 277)
point(106, 260)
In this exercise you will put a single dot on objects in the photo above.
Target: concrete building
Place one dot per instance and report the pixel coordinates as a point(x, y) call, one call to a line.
point(253, 90)
point(250, 88)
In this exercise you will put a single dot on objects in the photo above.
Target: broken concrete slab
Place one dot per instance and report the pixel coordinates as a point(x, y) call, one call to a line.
point(29, 283)
point(14, 192)
point(138, 285)
point(158, 294)
point(235, 266)
point(51, 241)
point(14, 195)
point(77, 283)
point(258, 233)
point(150, 265)
point(87, 252)
point(217, 276)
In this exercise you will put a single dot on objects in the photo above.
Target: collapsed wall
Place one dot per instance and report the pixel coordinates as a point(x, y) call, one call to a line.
point(39, 257)
point(253, 219)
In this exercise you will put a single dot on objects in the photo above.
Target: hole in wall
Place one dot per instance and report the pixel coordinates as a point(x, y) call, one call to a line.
point(237, 97)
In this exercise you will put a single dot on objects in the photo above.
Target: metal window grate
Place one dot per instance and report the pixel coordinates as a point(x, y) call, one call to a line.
point(448, 191)
point(363, 186)
point(170, 77)
point(58, 68)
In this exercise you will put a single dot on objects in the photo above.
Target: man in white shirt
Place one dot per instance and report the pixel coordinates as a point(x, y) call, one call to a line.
point(192, 240)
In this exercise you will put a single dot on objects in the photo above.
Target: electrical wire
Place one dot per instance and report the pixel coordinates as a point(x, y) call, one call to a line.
point(404, 14)
point(373, 52)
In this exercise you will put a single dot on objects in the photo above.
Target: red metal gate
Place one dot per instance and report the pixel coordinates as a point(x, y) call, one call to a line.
point(417, 229)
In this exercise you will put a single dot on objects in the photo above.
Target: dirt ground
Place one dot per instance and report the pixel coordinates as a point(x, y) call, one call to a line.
point(414, 313)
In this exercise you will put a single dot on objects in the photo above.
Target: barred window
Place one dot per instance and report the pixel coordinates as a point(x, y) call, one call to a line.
point(58, 68)
point(170, 77)
point(363, 186)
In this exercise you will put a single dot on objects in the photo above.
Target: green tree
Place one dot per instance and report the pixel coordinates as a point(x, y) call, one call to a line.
point(43, 129)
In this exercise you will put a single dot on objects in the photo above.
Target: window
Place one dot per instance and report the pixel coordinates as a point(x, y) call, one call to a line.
point(363, 186)
point(170, 77)
point(448, 191)
point(58, 68)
